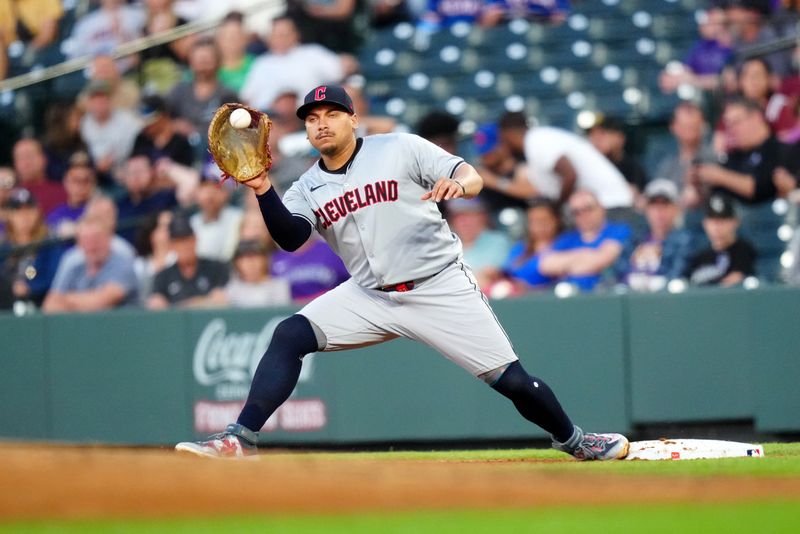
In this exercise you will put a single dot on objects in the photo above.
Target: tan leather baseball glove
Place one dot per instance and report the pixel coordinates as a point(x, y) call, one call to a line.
point(241, 153)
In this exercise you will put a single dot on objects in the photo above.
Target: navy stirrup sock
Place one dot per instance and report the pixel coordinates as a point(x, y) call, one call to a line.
point(535, 401)
point(278, 370)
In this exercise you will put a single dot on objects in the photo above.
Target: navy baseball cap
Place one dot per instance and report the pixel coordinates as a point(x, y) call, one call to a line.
point(720, 206)
point(326, 94)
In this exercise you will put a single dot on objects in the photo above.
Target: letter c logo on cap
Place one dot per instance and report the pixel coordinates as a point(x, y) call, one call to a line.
point(320, 93)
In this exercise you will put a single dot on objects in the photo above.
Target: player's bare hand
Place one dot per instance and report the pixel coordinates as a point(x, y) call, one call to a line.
point(260, 184)
point(444, 189)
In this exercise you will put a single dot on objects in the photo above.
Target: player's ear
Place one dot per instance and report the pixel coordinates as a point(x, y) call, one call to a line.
point(354, 120)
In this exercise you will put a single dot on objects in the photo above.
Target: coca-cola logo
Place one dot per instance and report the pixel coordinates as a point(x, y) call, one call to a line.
point(223, 357)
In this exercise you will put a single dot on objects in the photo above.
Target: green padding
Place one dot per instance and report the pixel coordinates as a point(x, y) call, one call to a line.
point(775, 356)
point(689, 356)
point(24, 379)
point(119, 378)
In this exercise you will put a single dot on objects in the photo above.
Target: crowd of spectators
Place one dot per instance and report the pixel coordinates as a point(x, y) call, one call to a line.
point(117, 204)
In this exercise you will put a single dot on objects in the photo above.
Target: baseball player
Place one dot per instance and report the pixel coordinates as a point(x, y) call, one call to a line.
point(373, 199)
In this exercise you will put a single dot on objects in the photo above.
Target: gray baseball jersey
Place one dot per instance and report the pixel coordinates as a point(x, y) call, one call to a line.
point(370, 212)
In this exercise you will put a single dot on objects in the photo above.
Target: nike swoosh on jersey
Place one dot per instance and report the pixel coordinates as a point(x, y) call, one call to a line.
point(315, 188)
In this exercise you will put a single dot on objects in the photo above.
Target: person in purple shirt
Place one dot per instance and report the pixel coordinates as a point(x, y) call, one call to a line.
point(80, 182)
point(582, 255)
point(311, 270)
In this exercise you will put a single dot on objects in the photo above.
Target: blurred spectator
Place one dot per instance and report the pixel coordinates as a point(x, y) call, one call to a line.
point(292, 66)
point(153, 253)
point(102, 209)
point(551, 11)
point(33, 22)
point(689, 129)
point(484, 248)
point(125, 93)
point(387, 13)
point(291, 156)
point(141, 197)
point(757, 83)
point(368, 124)
point(109, 132)
point(252, 286)
point(62, 137)
point(3, 56)
point(216, 224)
point(608, 136)
point(236, 61)
point(747, 20)
point(191, 282)
point(705, 61)
point(30, 165)
point(521, 266)
point(729, 259)
point(254, 229)
point(582, 256)
point(662, 253)
point(560, 162)
point(80, 183)
point(335, 24)
point(158, 137)
point(753, 155)
point(499, 169)
point(7, 182)
point(162, 66)
point(311, 270)
point(29, 265)
point(441, 129)
point(103, 30)
point(193, 103)
point(103, 280)
point(445, 13)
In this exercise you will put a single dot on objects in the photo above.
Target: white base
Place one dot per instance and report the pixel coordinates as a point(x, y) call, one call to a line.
point(691, 449)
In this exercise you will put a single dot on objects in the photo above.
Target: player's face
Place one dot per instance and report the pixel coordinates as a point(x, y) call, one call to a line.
point(330, 129)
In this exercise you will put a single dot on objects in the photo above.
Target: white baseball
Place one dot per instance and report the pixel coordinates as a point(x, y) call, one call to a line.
point(240, 118)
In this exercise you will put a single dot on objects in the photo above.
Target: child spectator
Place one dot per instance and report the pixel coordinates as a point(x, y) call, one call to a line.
point(729, 259)
point(252, 285)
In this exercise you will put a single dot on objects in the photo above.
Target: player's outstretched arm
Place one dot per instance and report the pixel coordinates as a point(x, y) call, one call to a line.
point(287, 230)
point(465, 183)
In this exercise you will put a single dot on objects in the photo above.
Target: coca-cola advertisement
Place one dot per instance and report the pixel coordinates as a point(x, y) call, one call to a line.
point(226, 353)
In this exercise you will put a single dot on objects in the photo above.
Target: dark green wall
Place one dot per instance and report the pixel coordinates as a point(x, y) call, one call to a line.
point(614, 361)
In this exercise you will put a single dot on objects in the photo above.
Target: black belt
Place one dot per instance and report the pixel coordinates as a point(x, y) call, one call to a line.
point(408, 285)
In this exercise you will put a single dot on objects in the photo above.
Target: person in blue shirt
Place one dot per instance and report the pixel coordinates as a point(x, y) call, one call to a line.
point(522, 264)
point(582, 255)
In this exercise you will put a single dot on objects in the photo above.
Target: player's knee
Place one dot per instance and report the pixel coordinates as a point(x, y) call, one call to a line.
point(514, 379)
point(295, 335)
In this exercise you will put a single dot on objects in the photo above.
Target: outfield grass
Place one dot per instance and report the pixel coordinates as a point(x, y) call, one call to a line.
point(764, 517)
point(768, 516)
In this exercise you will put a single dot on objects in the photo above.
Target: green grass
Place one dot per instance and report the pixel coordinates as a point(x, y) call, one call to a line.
point(771, 516)
point(762, 517)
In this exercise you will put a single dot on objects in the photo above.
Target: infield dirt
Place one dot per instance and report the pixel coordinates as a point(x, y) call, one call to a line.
point(39, 481)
